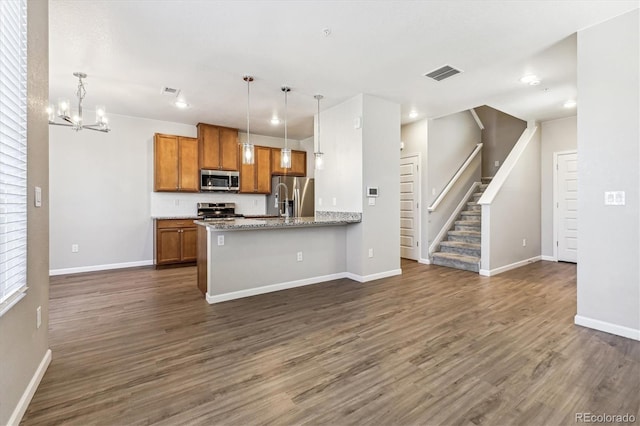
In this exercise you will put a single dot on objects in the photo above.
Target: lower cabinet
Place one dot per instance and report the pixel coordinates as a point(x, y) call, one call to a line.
point(176, 241)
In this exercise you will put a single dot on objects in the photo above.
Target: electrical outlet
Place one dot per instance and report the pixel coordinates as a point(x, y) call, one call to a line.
point(524, 242)
point(497, 163)
point(255, 203)
point(299, 256)
point(334, 201)
point(176, 203)
point(75, 248)
point(370, 252)
point(372, 201)
point(320, 201)
point(38, 316)
point(433, 191)
point(220, 240)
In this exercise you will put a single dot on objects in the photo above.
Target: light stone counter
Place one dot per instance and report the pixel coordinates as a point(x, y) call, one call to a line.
point(273, 223)
point(294, 252)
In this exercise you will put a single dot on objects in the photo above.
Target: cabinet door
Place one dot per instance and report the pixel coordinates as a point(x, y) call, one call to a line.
point(228, 149)
point(165, 163)
point(189, 244)
point(248, 175)
point(275, 162)
point(209, 146)
point(168, 244)
point(263, 170)
point(188, 161)
point(298, 163)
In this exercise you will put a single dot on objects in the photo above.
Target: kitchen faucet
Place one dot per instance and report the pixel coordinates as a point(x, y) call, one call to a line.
point(286, 199)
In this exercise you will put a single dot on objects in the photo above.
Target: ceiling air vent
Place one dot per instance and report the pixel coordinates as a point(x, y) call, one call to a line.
point(170, 91)
point(442, 73)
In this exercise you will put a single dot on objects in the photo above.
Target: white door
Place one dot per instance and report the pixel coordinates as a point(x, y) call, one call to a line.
point(409, 213)
point(567, 207)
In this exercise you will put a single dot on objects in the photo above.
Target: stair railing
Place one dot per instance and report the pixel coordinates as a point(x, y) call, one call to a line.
point(455, 178)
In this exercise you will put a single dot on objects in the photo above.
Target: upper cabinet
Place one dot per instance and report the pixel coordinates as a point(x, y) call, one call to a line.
point(175, 163)
point(256, 178)
point(218, 147)
point(298, 163)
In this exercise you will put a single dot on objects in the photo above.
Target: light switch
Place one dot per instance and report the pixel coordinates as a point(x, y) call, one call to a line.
point(614, 198)
point(38, 197)
point(220, 240)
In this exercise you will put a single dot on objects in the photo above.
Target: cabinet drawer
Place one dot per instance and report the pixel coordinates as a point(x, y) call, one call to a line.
point(175, 223)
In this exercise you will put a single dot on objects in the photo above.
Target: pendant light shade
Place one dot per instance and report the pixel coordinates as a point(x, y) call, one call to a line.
point(285, 153)
point(319, 156)
point(248, 156)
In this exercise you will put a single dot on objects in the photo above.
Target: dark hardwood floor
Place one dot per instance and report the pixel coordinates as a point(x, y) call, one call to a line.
point(433, 346)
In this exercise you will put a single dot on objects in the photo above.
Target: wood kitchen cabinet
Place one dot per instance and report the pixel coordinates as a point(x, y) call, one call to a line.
point(256, 178)
point(175, 163)
point(217, 147)
point(298, 163)
point(175, 241)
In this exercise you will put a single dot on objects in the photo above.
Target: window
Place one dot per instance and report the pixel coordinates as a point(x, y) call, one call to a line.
point(13, 152)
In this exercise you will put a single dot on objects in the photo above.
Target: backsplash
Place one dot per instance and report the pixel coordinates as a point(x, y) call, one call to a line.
point(179, 204)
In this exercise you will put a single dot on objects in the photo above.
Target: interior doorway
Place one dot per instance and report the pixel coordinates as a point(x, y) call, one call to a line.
point(410, 207)
point(565, 218)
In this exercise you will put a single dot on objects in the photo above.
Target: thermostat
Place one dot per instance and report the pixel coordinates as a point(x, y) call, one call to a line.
point(372, 191)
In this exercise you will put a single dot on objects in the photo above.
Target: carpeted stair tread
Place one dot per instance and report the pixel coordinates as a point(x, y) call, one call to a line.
point(458, 261)
point(460, 244)
point(466, 233)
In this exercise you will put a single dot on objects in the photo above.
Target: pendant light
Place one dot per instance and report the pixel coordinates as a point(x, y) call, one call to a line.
point(285, 153)
point(247, 147)
point(319, 156)
point(74, 119)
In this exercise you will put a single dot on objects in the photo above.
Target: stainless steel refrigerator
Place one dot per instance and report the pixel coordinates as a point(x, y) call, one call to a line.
point(292, 195)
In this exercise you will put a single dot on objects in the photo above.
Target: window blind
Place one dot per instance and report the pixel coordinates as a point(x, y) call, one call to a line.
point(13, 151)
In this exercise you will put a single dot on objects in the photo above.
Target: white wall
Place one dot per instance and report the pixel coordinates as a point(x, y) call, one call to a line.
point(102, 193)
point(341, 178)
point(450, 141)
point(24, 348)
point(511, 209)
point(608, 160)
point(380, 227)
point(556, 136)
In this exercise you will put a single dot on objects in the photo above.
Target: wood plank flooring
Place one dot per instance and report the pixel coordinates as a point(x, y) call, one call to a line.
point(435, 346)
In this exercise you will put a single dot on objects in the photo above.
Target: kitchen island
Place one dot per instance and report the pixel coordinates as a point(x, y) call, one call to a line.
point(246, 257)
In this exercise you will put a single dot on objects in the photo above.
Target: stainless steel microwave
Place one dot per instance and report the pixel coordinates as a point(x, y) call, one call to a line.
point(218, 180)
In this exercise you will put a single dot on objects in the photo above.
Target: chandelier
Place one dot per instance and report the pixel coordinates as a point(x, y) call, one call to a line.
point(74, 118)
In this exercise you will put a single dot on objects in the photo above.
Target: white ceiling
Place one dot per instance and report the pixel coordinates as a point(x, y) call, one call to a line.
point(131, 49)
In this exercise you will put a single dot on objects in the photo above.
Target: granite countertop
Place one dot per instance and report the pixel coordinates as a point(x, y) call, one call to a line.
point(194, 217)
point(274, 223)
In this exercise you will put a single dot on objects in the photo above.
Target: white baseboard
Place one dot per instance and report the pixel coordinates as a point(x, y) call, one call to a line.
point(548, 258)
point(607, 327)
point(217, 298)
point(94, 268)
point(424, 261)
point(26, 397)
point(379, 275)
point(491, 272)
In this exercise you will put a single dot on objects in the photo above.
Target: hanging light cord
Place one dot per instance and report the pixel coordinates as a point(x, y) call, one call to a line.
point(248, 95)
point(286, 90)
point(318, 97)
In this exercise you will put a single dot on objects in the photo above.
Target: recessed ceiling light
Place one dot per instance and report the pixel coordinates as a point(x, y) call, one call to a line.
point(181, 104)
point(530, 79)
point(275, 121)
point(570, 104)
point(413, 114)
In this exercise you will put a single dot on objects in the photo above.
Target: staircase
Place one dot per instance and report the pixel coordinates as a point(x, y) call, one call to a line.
point(461, 248)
